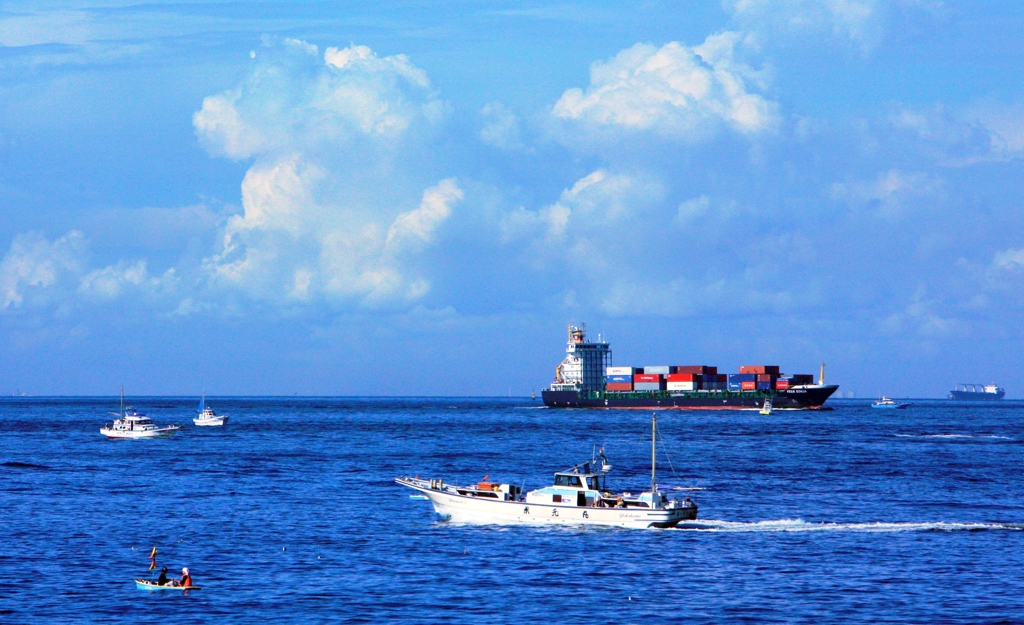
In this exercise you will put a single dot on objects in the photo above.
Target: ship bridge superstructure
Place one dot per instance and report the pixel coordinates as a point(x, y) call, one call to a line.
point(583, 368)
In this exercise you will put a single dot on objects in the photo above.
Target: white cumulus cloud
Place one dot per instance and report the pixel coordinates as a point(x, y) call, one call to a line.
point(292, 97)
point(596, 204)
point(416, 228)
point(675, 91)
point(861, 22)
point(1009, 259)
point(58, 272)
point(33, 261)
point(329, 203)
point(111, 281)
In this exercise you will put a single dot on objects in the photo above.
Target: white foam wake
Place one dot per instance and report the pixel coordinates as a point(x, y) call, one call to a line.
point(1007, 438)
point(799, 525)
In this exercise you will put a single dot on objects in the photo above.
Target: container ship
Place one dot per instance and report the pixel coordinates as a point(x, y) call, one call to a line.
point(976, 392)
point(587, 379)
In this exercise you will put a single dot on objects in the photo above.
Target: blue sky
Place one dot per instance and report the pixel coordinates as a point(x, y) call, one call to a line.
point(415, 198)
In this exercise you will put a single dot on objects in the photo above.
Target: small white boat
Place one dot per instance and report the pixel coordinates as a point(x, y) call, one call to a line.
point(207, 416)
point(578, 497)
point(890, 404)
point(767, 408)
point(133, 424)
point(145, 584)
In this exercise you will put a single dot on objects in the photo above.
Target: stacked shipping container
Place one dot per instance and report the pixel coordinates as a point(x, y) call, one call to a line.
point(683, 381)
point(619, 379)
point(700, 377)
point(649, 381)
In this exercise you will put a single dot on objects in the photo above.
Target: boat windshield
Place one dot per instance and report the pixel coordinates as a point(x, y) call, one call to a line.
point(595, 483)
point(567, 480)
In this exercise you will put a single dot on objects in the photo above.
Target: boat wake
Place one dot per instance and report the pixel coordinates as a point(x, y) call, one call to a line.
point(799, 525)
point(979, 436)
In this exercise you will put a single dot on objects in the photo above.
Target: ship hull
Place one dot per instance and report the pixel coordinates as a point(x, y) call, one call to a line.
point(966, 396)
point(802, 398)
point(480, 511)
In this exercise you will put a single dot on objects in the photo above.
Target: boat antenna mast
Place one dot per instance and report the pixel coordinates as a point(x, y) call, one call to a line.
point(654, 458)
point(821, 374)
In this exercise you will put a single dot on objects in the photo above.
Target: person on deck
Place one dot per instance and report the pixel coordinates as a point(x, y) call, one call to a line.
point(162, 580)
point(186, 579)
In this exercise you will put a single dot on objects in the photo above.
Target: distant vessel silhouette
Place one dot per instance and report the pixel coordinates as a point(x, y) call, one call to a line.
point(976, 392)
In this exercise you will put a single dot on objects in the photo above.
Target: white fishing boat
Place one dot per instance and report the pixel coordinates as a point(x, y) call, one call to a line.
point(766, 409)
point(207, 416)
point(579, 496)
point(133, 424)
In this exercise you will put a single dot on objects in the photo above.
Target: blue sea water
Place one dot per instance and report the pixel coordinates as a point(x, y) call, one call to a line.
point(290, 514)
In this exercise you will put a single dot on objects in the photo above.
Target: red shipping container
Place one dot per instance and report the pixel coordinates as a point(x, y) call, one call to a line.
point(698, 369)
point(723, 377)
point(772, 369)
point(683, 377)
point(647, 377)
point(782, 384)
point(764, 377)
point(618, 386)
point(748, 386)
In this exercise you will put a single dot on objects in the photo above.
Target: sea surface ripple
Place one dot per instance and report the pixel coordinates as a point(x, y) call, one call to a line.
point(290, 514)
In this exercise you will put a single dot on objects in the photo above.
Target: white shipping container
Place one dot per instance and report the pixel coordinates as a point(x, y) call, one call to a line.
point(618, 371)
point(681, 386)
point(662, 369)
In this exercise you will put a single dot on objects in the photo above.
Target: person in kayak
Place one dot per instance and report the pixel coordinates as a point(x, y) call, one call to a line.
point(162, 580)
point(186, 579)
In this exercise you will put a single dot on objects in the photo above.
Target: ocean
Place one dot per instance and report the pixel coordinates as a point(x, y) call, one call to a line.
point(290, 514)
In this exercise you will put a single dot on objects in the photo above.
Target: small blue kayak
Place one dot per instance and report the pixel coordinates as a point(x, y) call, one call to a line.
point(145, 584)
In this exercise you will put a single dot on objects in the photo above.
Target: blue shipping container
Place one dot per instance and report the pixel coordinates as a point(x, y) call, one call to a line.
point(764, 386)
point(735, 386)
point(742, 377)
point(620, 378)
point(663, 370)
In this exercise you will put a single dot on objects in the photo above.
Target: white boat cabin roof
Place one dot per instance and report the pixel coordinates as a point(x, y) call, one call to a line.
point(137, 417)
point(573, 480)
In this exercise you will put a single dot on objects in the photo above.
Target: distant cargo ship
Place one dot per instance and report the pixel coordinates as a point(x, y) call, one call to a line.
point(976, 392)
point(587, 379)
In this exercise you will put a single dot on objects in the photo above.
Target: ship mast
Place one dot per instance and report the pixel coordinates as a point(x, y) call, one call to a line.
point(654, 435)
point(821, 375)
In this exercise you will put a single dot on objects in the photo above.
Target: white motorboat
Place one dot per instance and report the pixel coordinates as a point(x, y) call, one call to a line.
point(891, 404)
point(207, 416)
point(579, 496)
point(133, 424)
point(767, 408)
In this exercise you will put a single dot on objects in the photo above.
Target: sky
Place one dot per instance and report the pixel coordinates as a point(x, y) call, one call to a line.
point(416, 198)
